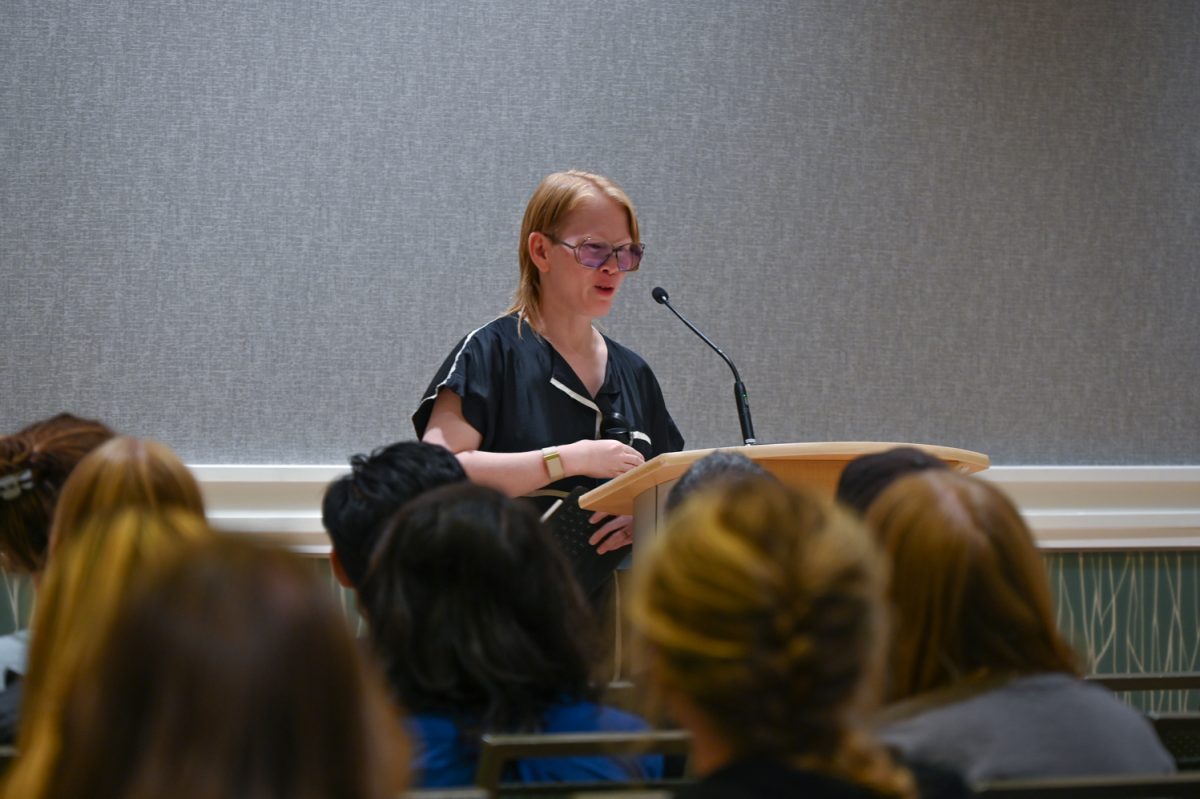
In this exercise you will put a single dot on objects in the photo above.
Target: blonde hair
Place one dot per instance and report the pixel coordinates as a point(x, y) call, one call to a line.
point(763, 608)
point(968, 587)
point(85, 583)
point(124, 472)
point(553, 200)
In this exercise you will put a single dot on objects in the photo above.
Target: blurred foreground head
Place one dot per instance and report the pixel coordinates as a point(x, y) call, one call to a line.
point(474, 611)
point(357, 506)
point(230, 672)
point(712, 471)
point(868, 476)
point(84, 586)
point(124, 472)
point(968, 585)
point(34, 464)
point(762, 611)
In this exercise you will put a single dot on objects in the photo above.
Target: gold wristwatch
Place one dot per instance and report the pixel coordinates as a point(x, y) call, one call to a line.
point(554, 466)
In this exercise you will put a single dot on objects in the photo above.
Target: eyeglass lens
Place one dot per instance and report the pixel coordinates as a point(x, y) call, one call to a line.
point(595, 254)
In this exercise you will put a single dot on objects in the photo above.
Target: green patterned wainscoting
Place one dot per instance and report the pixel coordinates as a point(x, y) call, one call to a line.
point(18, 602)
point(1132, 612)
point(1123, 611)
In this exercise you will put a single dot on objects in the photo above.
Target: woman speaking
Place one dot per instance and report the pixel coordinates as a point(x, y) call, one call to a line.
point(525, 401)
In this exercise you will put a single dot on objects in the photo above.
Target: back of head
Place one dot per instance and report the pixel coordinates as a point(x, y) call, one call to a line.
point(553, 200)
point(84, 585)
point(968, 584)
point(230, 672)
point(34, 465)
point(868, 476)
point(711, 471)
point(357, 506)
point(474, 611)
point(762, 609)
point(124, 472)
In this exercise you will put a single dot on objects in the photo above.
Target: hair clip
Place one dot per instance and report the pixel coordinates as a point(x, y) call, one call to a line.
point(12, 485)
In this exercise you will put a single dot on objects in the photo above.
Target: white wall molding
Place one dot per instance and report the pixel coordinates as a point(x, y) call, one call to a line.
point(1106, 507)
point(281, 504)
point(1068, 507)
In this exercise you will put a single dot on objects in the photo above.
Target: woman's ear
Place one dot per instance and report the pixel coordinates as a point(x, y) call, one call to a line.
point(539, 250)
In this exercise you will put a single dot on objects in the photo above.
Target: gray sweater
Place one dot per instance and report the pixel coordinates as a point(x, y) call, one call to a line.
point(1042, 725)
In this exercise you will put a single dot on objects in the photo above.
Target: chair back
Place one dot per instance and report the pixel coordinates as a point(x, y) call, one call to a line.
point(1180, 734)
point(497, 751)
point(1159, 786)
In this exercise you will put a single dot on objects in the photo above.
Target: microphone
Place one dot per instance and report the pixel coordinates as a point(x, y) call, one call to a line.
point(616, 427)
point(739, 388)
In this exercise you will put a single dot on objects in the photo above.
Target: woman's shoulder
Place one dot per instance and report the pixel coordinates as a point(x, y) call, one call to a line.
point(497, 337)
point(1047, 724)
point(626, 359)
point(506, 328)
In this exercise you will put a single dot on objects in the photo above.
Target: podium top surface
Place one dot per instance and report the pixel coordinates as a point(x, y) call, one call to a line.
point(818, 462)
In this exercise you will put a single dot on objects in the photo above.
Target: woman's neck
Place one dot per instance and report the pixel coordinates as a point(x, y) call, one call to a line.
point(709, 750)
point(567, 331)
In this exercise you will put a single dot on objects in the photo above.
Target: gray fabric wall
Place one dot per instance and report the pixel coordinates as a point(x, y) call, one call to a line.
point(253, 230)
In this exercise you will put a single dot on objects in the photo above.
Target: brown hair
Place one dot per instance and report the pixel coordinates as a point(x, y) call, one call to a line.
point(85, 582)
point(968, 588)
point(230, 672)
point(35, 463)
point(553, 200)
point(763, 609)
point(124, 472)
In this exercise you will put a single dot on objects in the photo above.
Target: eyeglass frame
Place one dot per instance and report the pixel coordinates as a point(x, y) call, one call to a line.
point(574, 248)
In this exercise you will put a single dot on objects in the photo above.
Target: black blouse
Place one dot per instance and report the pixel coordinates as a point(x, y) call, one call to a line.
point(521, 395)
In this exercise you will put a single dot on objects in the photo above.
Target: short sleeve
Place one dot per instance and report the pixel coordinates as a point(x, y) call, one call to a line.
point(472, 371)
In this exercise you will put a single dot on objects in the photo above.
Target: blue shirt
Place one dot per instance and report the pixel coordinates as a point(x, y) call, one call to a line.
point(444, 756)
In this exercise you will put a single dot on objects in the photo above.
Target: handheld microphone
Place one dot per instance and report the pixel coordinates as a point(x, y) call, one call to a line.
point(739, 388)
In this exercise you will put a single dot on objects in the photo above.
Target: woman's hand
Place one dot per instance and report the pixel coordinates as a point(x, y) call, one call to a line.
point(602, 458)
point(614, 534)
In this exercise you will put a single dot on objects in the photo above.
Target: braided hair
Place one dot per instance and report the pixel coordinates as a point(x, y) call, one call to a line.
point(763, 608)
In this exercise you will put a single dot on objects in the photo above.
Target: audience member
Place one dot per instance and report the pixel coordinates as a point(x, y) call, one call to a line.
point(983, 679)
point(762, 612)
point(34, 464)
point(86, 579)
point(358, 506)
point(481, 627)
point(712, 471)
point(119, 473)
point(124, 472)
point(229, 672)
point(866, 477)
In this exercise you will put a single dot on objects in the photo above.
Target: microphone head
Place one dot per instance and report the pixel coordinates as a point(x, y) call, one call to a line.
point(660, 295)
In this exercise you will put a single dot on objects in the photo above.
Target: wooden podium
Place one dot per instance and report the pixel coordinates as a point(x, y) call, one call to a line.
point(642, 492)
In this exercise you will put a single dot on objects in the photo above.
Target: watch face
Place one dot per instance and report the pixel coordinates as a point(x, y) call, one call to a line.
point(553, 463)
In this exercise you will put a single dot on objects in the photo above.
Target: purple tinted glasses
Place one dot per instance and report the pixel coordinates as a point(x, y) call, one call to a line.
point(595, 254)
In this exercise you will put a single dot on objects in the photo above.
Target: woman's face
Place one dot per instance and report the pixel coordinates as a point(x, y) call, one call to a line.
point(566, 284)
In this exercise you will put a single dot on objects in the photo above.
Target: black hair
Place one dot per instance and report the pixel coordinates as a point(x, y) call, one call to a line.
point(474, 613)
point(358, 506)
point(865, 477)
point(716, 468)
